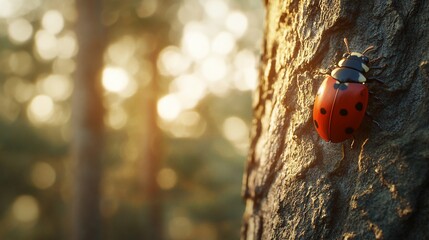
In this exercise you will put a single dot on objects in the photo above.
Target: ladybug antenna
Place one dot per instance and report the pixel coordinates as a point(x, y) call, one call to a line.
point(370, 48)
point(347, 45)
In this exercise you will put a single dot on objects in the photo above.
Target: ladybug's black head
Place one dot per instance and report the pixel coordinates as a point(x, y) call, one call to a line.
point(355, 60)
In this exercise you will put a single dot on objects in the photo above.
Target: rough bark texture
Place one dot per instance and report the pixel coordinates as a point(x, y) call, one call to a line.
point(87, 121)
point(296, 186)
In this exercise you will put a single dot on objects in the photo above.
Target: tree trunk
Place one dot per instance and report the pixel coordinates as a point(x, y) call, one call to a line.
point(296, 186)
point(151, 160)
point(87, 121)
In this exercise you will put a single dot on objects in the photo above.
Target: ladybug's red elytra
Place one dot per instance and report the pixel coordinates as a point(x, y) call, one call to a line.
point(341, 101)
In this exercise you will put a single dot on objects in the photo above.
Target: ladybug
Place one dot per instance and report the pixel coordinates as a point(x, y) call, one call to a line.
point(341, 101)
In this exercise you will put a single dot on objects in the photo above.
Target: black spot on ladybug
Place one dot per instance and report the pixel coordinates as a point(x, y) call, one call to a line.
point(343, 112)
point(349, 130)
point(359, 106)
point(316, 124)
point(340, 86)
point(323, 111)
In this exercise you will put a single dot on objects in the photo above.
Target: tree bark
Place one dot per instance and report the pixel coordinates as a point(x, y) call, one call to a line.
point(296, 186)
point(87, 121)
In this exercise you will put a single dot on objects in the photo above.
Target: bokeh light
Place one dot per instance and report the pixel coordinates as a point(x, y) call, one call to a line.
point(115, 79)
point(40, 109)
point(43, 175)
point(53, 21)
point(25, 209)
point(169, 107)
point(20, 30)
point(166, 178)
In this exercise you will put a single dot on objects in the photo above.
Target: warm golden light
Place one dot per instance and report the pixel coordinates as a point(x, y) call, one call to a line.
point(216, 9)
point(194, 42)
point(67, 45)
point(236, 22)
point(121, 51)
point(43, 175)
point(21, 63)
point(190, 90)
point(169, 107)
point(246, 75)
point(180, 228)
point(166, 178)
point(21, 90)
point(115, 79)
point(25, 209)
point(214, 68)
point(40, 109)
point(20, 30)
point(117, 118)
point(46, 45)
point(223, 43)
point(237, 132)
point(147, 8)
point(53, 21)
point(58, 87)
point(172, 62)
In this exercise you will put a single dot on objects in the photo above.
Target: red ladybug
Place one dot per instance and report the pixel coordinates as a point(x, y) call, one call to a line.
point(341, 101)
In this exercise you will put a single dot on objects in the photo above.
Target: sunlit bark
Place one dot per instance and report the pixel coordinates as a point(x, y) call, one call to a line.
point(297, 186)
point(87, 121)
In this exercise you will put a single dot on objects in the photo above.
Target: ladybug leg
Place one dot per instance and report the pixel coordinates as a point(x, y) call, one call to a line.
point(376, 59)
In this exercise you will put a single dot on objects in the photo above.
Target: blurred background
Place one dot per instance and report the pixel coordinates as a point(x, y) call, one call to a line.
point(197, 58)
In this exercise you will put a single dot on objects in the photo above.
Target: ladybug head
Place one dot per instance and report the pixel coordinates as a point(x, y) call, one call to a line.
point(355, 60)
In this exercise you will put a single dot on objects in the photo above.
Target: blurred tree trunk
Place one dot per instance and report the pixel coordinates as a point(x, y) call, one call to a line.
point(87, 120)
point(151, 159)
point(296, 186)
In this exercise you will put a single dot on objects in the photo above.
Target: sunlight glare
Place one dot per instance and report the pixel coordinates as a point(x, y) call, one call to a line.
point(20, 30)
point(172, 62)
point(40, 109)
point(216, 9)
point(237, 132)
point(223, 43)
point(115, 79)
point(214, 68)
point(190, 89)
point(188, 124)
point(58, 87)
point(121, 51)
point(236, 22)
point(46, 45)
point(169, 107)
point(25, 209)
point(43, 175)
point(53, 21)
point(246, 79)
point(194, 42)
point(16, 8)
